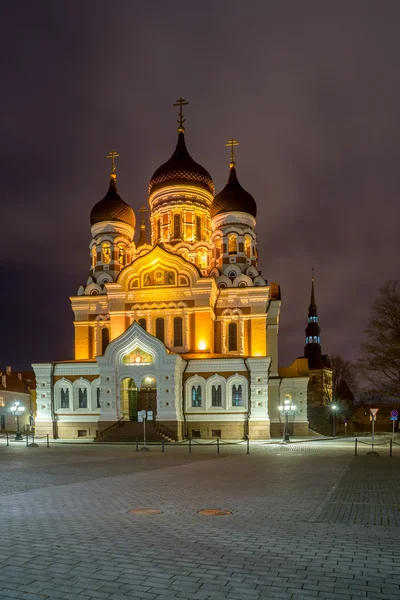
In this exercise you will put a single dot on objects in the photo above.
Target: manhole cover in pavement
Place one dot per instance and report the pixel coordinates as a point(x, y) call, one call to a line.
point(214, 512)
point(146, 511)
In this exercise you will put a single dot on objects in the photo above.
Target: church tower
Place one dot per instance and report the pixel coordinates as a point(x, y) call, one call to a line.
point(312, 349)
point(113, 229)
point(180, 196)
point(233, 214)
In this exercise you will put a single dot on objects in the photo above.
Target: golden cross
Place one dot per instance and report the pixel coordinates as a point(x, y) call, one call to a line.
point(181, 102)
point(232, 143)
point(143, 210)
point(113, 154)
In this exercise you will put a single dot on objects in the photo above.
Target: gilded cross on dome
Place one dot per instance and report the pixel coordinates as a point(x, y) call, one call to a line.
point(113, 154)
point(232, 143)
point(143, 210)
point(181, 102)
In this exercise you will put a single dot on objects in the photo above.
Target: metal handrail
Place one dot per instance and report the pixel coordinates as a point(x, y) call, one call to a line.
point(116, 425)
point(165, 431)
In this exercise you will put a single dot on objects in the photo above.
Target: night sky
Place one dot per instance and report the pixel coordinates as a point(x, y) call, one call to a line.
point(311, 90)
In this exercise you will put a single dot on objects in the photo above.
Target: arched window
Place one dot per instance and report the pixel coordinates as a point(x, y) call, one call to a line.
point(64, 398)
point(94, 257)
point(98, 397)
point(82, 397)
point(232, 244)
point(178, 341)
point(177, 227)
point(142, 323)
point(307, 340)
point(232, 337)
point(106, 253)
point(217, 248)
point(315, 338)
point(158, 230)
point(237, 395)
point(121, 255)
point(160, 329)
point(247, 246)
point(105, 338)
point(216, 395)
point(203, 260)
point(198, 228)
point(196, 395)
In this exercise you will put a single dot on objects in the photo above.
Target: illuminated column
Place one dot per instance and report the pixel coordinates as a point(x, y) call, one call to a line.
point(150, 324)
point(241, 334)
point(169, 337)
point(223, 328)
point(186, 340)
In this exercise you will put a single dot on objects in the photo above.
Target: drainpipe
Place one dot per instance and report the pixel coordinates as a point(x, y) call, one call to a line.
point(183, 401)
point(249, 401)
point(52, 405)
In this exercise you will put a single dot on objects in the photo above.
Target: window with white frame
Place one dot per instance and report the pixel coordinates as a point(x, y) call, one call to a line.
point(216, 395)
point(64, 398)
point(232, 337)
point(237, 395)
point(196, 395)
point(82, 397)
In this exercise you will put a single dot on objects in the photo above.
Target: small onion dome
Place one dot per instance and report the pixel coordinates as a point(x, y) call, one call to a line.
point(181, 169)
point(233, 198)
point(112, 207)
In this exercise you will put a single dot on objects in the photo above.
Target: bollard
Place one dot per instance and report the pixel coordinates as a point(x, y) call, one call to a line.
point(391, 448)
point(8, 443)
point(248, 445)
point(355, 448)
point(137, 445)
point(163, 442)
point(190, 445)
point(217, 445)
point(47, 440)
point(27, 440)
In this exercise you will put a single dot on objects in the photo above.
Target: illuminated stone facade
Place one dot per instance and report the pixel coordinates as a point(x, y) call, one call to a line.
point(183, 323)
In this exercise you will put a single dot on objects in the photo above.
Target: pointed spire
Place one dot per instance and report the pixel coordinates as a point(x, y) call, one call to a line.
point(143, 234)
point(312, 299)
point(312, 349)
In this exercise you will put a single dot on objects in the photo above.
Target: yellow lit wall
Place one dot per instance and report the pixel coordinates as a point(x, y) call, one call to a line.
point(203, 325)
point(117, 326)
point(258, 337)
point(82, 350)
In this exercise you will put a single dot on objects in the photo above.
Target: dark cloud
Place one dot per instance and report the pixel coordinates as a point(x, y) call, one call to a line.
point(311, 89)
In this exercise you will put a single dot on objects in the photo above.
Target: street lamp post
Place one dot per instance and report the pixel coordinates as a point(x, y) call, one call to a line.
point(286, 409)
point(334, 409)
point(17, 411)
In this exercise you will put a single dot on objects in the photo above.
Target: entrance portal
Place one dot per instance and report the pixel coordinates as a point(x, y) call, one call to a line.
point(129, 400)
point(134, 399)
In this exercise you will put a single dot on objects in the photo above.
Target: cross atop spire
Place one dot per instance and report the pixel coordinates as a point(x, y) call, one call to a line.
point(143, 210)
point(181, 102)
point(232, 143)
point(113, 154)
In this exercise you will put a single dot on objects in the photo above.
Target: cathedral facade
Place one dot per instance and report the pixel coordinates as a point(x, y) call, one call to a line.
point(180, 323)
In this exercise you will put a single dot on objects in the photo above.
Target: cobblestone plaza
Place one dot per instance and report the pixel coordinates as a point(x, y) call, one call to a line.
point(309, 520)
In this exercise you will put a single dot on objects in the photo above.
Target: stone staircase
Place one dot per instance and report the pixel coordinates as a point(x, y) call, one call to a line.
point(130, 431)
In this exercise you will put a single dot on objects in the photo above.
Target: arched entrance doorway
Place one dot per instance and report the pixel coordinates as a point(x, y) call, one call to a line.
point(129, 399)
point(134, 399)
point(148, 395)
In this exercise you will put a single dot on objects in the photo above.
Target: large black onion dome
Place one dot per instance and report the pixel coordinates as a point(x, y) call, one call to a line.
point(181, 169)
point(233, 198)
point(112, 208)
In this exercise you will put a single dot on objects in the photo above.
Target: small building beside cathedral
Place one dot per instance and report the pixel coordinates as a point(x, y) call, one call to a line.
point(180, 323)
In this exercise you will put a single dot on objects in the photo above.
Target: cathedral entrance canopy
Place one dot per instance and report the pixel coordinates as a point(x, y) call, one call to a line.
point(137, 368)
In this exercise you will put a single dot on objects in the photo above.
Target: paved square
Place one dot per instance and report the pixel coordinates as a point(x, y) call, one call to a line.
point(308, 521)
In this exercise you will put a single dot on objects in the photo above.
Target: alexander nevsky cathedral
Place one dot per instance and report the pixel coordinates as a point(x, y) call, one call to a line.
point(178, 321)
